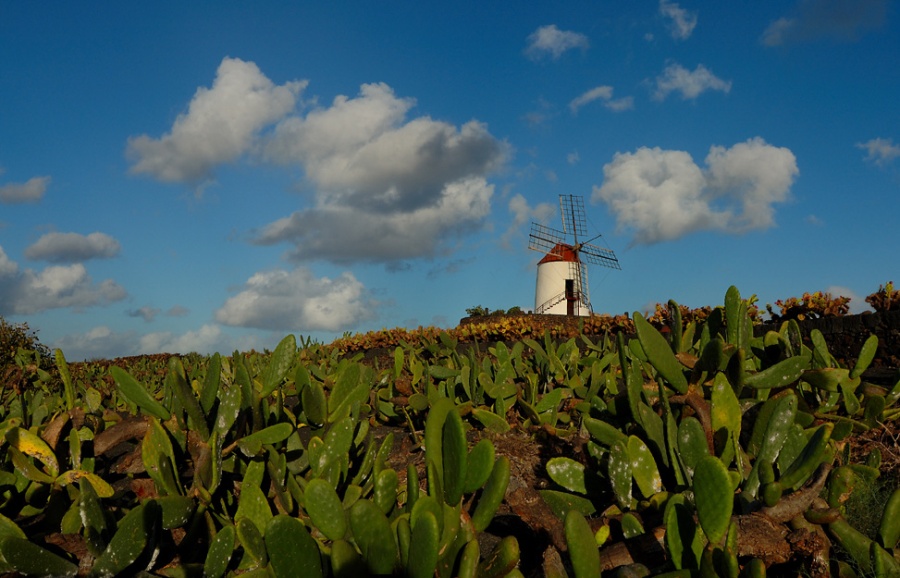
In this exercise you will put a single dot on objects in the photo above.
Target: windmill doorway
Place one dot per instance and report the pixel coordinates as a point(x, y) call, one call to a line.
point(571, 297)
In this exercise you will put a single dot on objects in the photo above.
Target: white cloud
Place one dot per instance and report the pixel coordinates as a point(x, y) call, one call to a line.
point(682, 22)
point(104, 343)
point(98, 343)
point(881, 151)
point(523, 212)
point(664, 195)
point(827, 19)
point(573, 157)
point(361, 152)
point(676, 78)
point(753, 175)
point(385, 188)
point(221, 125)
point(604, 94)
point(177, 311)
point(601, 92)
point(298, 301)
point(553, 41)
point(27, 291)
point(30, 191)
point(207, 339)
point(347, 234)
point(146, 313)
point(73, 247)
point(8, 267)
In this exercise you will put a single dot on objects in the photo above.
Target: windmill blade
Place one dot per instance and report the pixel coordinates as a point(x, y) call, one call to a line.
point(598, 256)
point(545, 239)
point(571, 210)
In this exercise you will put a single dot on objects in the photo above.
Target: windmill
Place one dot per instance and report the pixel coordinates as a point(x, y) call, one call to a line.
point(562, 286)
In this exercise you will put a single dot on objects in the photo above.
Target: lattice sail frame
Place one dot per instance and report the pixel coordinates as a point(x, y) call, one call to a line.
point(555, 242)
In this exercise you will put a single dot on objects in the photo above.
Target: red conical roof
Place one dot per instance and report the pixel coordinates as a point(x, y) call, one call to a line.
point(561, 252)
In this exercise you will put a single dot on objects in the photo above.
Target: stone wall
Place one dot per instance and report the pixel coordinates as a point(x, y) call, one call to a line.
point(845, 337)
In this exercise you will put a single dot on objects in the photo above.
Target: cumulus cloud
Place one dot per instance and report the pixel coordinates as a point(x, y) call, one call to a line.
point(681, 23)
point(30, 191)
point(73, 247)
point(8, 267)
point(104, 343)
point(220, 125)
point(24, 292)
point(207, 339)
point(98, 343)
point(880, 151)
point(385, 188)
point(347, 234)
point(827, 19)
point(522, 212)
point(550, 40)
point(605, 95)
point(177, 311)
point(146, 313)
point(676, 78)
point(663, 194)
point(298, 301)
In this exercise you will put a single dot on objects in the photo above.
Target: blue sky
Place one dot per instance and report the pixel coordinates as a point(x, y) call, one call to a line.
point(211, 176)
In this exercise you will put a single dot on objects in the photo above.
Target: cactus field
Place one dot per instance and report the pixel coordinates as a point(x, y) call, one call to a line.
point(680, 443)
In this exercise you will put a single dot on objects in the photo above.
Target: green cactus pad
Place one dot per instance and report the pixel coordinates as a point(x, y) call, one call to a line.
point(889, 530)
point(32, 560)
point(423, 547)
point(176, 511)
point(582, 547)
point(781, 374)
point(385, 495)
point(714, 497)
point(137, 394)
point(865, 357)
point(135, 535)
point(291, 550)
point(251, 539)
point(254, 505)
point(603, 432)
point(660, 354)
point(479, 464)
point(620, 474)
point(219, 554)
point(313, 401)
point(454, 454)
point(692, 443)
point(177, 382)
point(372, 533)
point(643, 467)
point(562, 502)
point(684, 541)
point(251, 445)
point(502, 560)
point(492, 495)
point(279, 363)
point(346, 562)
point(469, 559)
point(567, 473)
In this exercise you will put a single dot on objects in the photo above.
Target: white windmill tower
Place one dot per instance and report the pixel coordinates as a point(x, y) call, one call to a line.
point(562, 286)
